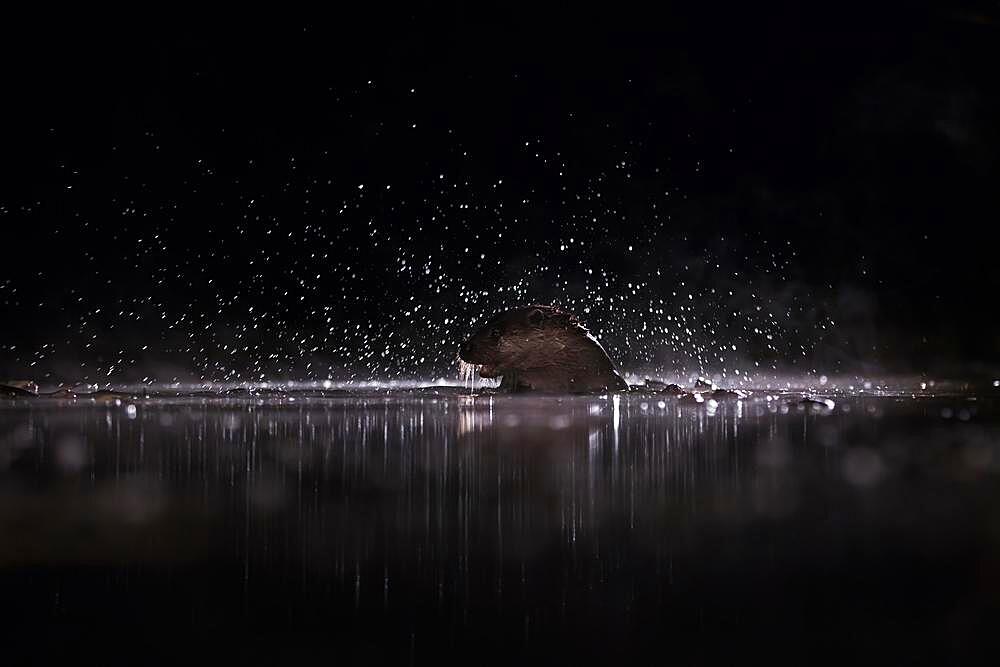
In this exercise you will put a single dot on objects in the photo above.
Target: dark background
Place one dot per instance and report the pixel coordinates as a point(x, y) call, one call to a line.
point(736, 192)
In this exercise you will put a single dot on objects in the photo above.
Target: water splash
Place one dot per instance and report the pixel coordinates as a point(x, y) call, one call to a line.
point(468, 374)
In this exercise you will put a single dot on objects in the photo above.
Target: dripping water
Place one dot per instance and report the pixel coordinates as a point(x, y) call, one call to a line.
point(469, 374)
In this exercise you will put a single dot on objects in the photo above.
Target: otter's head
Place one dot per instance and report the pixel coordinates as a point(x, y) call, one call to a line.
point(517, 339)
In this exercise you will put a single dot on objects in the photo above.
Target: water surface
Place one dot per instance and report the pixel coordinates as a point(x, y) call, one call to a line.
point(412, 526)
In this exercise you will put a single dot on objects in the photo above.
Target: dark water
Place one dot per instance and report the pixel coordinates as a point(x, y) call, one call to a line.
point(414, 527)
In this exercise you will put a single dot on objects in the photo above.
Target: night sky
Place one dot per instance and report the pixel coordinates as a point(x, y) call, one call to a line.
point(806, 191)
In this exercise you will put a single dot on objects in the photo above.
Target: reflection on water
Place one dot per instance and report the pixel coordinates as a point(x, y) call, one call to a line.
point(406, 527)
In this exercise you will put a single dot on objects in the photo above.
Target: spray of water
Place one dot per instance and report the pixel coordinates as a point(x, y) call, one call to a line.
point(469, 374)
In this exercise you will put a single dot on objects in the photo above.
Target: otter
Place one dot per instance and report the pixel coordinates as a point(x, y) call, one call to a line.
point(541, 348)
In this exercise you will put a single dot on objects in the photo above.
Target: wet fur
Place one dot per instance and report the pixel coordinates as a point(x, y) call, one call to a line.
point(541, 348)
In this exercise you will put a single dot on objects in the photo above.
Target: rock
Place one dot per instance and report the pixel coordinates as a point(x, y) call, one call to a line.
point(65, 392)
point(662, 387)
point(12, 391)
point(27, 385)
point(723, 394)
point(105, 396)
point(702, 383)
point(815, 403)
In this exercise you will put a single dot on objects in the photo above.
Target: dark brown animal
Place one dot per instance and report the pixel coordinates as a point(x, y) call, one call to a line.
point(541, 348)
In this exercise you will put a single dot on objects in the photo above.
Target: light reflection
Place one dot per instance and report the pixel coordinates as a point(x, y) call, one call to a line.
point(448, 498)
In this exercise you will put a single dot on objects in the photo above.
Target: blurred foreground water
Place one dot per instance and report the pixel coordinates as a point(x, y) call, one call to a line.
point(405, 527)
